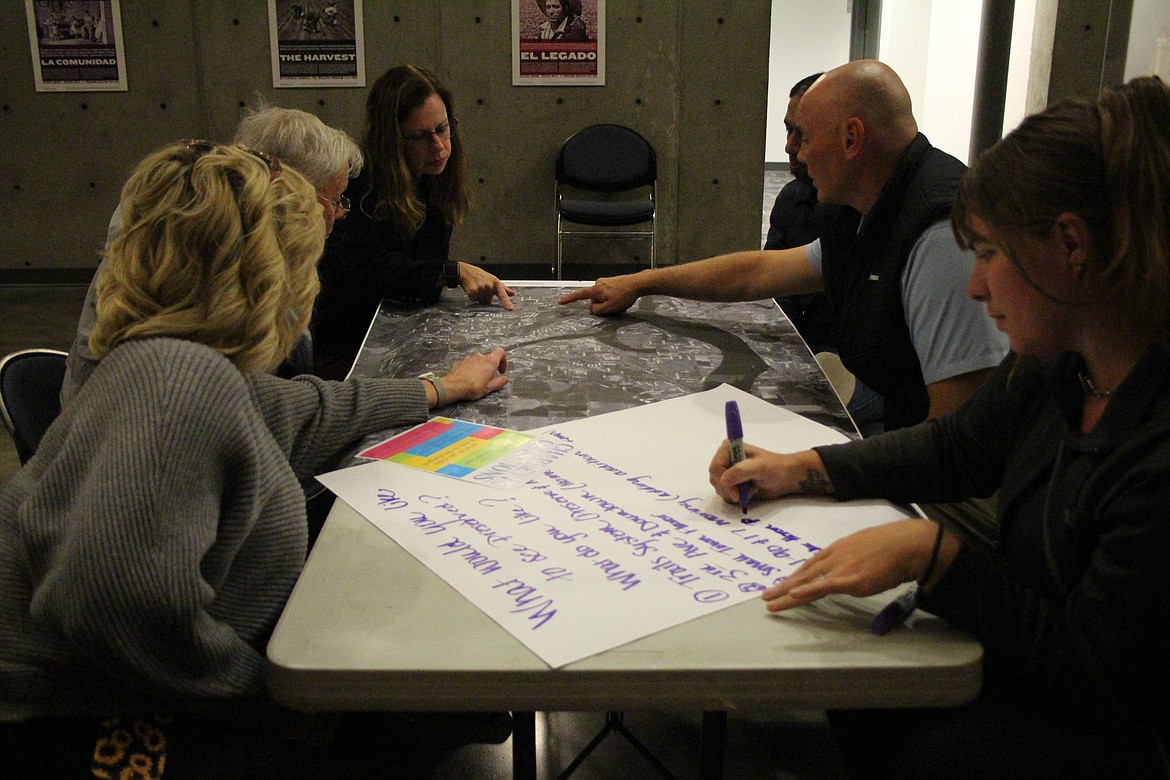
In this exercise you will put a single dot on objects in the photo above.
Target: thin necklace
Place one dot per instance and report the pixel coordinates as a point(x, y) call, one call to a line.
point(1092, 392)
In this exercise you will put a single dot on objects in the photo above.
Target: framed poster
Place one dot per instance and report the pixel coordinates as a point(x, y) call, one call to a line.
point(316, 43)
point(76, 45)
point(558, 42)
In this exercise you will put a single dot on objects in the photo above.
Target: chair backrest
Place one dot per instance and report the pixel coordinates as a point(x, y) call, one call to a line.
point(607, 158)
point(30, 395)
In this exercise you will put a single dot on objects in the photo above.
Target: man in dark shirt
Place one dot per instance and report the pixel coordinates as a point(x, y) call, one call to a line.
point(794, 222)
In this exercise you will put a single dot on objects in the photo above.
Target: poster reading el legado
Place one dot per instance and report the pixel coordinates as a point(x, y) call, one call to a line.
point(316, 43)
point(558, 42)
point(76, 45)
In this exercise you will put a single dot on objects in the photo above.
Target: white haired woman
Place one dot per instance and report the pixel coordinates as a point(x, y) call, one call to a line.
point(324, 155)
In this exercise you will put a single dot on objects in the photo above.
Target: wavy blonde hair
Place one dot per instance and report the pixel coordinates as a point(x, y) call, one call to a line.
point(218, 247)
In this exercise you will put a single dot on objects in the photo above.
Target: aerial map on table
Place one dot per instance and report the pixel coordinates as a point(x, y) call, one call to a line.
point(565, 363)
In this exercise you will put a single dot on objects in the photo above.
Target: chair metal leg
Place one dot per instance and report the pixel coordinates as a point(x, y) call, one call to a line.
point(557, 270)
point(626, 235)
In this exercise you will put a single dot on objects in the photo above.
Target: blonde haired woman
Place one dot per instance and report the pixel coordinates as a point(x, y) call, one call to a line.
point(148, 547)
point(324, 155)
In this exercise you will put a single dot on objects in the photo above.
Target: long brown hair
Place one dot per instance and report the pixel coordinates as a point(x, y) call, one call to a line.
point(1108, 162)
point(393, 194)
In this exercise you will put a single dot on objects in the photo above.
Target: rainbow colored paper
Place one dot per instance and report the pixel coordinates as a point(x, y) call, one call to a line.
point(451, 447)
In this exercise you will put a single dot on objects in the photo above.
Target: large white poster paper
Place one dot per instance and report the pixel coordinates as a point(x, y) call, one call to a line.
point(616, 533)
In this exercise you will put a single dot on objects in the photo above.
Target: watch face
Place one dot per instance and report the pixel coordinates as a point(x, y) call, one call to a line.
point(451, 274)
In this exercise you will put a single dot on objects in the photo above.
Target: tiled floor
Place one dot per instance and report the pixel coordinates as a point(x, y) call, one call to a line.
point(776, 745)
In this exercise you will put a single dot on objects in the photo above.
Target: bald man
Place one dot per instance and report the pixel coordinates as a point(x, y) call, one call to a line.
point(887, 259)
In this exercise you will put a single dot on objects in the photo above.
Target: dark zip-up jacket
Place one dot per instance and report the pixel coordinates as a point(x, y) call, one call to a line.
point(368, 259)
point(1073, 606)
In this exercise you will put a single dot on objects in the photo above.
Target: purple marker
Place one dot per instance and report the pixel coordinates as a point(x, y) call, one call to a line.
point(895, 613)
point(735, 446)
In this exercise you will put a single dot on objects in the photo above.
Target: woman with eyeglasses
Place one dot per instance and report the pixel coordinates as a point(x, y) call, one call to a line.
point(1069, 221)
point(396, 242)
point(149, 546)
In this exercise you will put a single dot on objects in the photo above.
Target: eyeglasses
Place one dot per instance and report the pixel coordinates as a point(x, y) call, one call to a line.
point(342, 203)
point(204, 147)
point(442, 132)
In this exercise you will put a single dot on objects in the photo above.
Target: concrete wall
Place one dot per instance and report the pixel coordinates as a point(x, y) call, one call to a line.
point(1089, 46)
point(932, 45)
point(1030, 68)
point(690, 75)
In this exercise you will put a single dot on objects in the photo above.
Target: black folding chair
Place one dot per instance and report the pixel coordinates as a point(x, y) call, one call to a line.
point(605, 178)
point(30, 395)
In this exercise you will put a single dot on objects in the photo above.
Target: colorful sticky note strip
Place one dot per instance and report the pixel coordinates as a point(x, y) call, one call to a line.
point(452, 447)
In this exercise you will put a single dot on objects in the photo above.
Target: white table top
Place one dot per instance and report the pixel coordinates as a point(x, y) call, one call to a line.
point(369, 628)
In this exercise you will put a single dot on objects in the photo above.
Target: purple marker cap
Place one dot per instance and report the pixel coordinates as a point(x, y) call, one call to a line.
point(895, 613)
point(734, 425)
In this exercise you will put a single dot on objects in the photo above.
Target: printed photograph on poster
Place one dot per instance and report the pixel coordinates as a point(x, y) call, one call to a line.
point(76, 45)
point(316, 43)
point(558, 42)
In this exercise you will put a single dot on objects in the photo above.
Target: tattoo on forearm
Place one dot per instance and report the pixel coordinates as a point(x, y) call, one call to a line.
point(815, 483)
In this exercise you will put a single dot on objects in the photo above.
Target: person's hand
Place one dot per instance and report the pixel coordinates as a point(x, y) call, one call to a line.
point(770, 474)
point(476, 375)
point(861, 564)
point(609, 295)
point(482, 286)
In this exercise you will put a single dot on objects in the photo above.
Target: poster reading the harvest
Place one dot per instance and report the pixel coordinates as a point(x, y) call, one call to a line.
point(315, 43)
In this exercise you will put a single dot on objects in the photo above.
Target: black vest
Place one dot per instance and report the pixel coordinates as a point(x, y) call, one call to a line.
point(863, 277)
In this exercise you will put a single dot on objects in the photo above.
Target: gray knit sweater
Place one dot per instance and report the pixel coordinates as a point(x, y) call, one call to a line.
point(148, 548)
